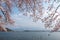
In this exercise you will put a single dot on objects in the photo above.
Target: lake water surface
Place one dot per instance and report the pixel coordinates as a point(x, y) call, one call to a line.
point(29, 36)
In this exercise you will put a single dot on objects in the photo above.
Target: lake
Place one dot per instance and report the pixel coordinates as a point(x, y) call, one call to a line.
point(29, 36)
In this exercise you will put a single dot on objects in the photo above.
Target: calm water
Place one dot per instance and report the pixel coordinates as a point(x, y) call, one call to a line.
point(29, 36)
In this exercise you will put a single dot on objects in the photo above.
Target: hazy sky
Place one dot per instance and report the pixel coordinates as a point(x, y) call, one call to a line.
point(25, 22)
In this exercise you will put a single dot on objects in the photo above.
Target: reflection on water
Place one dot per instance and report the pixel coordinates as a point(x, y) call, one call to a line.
point(29, 36)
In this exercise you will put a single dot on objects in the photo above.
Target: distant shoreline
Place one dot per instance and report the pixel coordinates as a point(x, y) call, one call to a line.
point(38, 31)
point(30, 31)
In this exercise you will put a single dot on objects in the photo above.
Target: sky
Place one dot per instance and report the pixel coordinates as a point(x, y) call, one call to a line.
point(25, 22)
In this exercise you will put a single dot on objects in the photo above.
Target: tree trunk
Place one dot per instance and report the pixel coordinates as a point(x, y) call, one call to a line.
point(3, 29)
